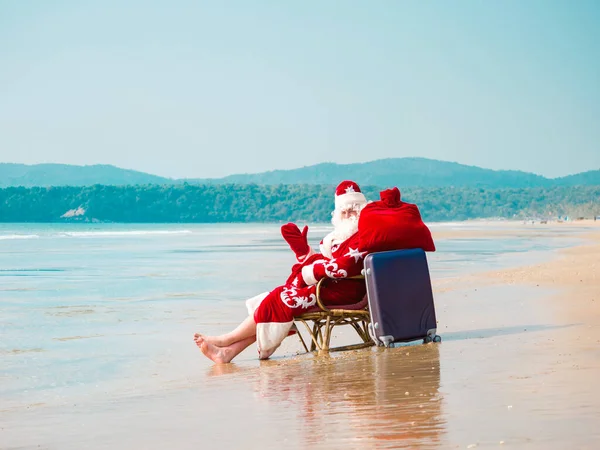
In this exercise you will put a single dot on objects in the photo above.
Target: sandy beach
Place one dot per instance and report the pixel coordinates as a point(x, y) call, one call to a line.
point(545, 367)
point(517, 368)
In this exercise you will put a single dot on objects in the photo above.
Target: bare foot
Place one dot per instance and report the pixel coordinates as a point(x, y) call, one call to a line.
point(216, 354)
point(214, 340)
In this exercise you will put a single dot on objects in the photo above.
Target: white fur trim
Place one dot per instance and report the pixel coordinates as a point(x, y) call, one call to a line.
point(325, 245)
point(270, 335)
point(330, 241)
point(254, 302)
point(308, 275)
point(308, 255)
point(349, 199)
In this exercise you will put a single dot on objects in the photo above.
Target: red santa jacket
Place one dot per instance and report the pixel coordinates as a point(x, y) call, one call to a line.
point(346, 261)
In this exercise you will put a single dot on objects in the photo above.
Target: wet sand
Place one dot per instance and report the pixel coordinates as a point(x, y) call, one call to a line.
point(518, 368)
point(545, 373)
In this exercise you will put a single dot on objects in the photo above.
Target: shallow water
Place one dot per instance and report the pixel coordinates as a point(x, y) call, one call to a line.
point(96, 324)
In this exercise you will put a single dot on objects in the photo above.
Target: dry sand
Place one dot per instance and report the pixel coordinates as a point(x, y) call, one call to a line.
point(547, 371)
point(518, 368)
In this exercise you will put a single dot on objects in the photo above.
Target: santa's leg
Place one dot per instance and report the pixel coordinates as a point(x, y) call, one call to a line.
point(274, 319)
point(222, 355)
point(244, 330)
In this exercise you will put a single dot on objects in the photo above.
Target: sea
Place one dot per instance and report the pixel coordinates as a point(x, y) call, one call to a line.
point(91, 311)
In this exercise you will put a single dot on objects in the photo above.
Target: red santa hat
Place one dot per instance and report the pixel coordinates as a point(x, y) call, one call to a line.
point(347, 194)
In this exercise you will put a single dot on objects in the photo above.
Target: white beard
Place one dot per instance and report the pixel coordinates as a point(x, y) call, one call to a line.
point(343, 229)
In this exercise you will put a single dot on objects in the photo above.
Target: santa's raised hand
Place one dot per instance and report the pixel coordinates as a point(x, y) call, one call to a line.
point(297, 240)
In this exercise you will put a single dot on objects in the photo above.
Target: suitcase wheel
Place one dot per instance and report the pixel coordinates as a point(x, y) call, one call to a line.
point(429, 338)
point(387, 341)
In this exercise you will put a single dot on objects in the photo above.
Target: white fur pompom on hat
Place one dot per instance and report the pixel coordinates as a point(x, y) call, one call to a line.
point(347, 194)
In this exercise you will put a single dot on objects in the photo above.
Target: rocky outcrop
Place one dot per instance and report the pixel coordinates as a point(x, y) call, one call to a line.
point(73, 213)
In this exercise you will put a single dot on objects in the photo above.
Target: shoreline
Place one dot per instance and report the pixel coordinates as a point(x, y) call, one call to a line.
point(476, 221)
point(584, 240)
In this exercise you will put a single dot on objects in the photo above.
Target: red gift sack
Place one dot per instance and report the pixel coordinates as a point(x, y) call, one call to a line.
point(391, 224)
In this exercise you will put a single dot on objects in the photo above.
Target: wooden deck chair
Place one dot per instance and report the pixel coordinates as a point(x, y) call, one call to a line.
point(325, 319)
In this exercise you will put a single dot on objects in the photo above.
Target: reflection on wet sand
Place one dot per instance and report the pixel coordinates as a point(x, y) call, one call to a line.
point(377, 397)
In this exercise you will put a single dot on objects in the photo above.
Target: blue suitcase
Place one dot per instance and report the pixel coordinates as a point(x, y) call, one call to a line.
point(400, 297)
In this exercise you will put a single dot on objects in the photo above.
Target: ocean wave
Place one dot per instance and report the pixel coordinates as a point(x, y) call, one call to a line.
point(18, 236)
point(123, 233)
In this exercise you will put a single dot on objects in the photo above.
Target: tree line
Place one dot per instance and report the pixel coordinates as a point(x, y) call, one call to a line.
point(279, 203)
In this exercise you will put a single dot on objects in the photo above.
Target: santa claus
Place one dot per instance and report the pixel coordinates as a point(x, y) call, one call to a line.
point(271, 314)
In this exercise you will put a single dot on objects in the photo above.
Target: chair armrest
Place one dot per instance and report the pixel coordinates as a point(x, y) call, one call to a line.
point(319, 302)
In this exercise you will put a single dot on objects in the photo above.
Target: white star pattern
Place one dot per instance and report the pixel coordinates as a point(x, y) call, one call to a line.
point(350, 189)
point(354, 253)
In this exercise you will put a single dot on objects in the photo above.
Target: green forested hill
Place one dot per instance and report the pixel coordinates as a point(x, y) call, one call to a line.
point(253, 203)
point(406, 172)
point(69, 175)
point(589, 178)
point(403, 172)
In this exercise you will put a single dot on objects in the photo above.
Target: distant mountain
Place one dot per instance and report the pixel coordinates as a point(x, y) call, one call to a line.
point(590, 178)
point(69, 175)
point(402, 172)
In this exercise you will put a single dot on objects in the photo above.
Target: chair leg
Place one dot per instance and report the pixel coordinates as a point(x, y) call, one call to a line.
point(327, 336)
point(315, 337)
point(302, 341)
point(365, 329)
point(322, 331)
point(320, 339)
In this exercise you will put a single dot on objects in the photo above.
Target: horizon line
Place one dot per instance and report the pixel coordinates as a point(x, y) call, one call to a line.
point(288, 170)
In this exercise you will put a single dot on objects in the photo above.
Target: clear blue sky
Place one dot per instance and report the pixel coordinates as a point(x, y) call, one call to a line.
point(205, 88)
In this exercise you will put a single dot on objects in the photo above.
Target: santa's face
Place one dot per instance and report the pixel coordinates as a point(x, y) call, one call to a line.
point(349, 214)
point(345, 221)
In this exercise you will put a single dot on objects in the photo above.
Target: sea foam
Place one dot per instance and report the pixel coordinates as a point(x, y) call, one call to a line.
point(123, 233)
point(4, 237)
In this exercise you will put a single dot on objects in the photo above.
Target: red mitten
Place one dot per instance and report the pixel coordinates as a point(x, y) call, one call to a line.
point(296, 239)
